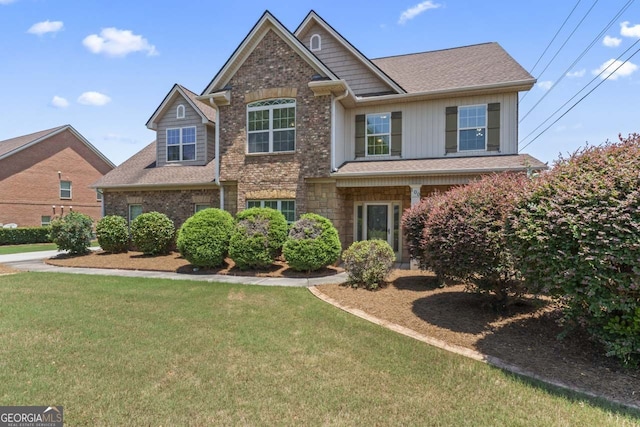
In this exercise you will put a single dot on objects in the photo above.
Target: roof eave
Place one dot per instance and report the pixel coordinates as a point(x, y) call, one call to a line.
point(155, 186)
point(436, 172)
point(152, 122)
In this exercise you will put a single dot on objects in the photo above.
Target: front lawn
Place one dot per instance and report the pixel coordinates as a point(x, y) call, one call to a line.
point(130, 351)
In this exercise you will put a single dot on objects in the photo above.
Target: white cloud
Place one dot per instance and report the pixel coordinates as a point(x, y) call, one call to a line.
point(577, 73)
point(627, 31)
point(118, 43)
point(93, 98)
point(626, 69)
point(545, 85)
point(6, 1)
point(45, 27)
point(416, 10)
point(59, 102)
point(609, 41)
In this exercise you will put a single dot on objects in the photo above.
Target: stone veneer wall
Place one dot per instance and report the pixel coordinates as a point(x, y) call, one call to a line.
point(176, 204)
point(273, 69)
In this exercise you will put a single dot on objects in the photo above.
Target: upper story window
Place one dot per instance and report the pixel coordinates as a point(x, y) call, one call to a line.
point(378, 134)
point(181, 144)
point(315, 43)
point(271, 126)
point(98, 195)
point(180, 112)
point(472, 127)
point(65, 189)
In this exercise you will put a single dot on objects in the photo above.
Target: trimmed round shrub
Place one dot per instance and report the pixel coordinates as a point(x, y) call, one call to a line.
point(577, 234)
point(258, 238)
point(152, 233)
point(72, 233)
point(368, 262)
point(313, 243)
point(203, 239)
point(113, 234)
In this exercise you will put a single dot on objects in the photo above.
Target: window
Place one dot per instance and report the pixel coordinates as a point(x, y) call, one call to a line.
point(45, 220)
point(472, 127)
point(65, 189)
point(98, 195)
point(287, 207)
point(181, 144)
point(378, 134)
point(315, 43)
point(200, 207)
point(134, 212)
point(180, 112)
point(271, 126)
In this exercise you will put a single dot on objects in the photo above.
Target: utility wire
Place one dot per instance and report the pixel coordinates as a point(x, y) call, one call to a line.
point(584, 52)
point(580, 91)
point(579, 101)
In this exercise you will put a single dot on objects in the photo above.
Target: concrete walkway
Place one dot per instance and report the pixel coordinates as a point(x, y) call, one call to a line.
point(34, 261)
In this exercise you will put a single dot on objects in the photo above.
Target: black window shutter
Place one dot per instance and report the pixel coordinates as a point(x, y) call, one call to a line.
point(493, 127)
point(360, 144)
point(451, 130)
point(396, 133)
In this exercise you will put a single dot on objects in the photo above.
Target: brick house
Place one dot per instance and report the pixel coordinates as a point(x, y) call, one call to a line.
point(303, 122)
point(47, 174)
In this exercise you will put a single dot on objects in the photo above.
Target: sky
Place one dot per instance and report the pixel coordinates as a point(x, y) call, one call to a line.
point(105, 66)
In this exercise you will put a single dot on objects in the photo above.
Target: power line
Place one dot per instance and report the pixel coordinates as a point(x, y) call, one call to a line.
point(584, 52)
point(579, 101)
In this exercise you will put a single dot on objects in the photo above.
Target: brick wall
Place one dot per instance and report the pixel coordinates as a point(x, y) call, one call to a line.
point(30, 185)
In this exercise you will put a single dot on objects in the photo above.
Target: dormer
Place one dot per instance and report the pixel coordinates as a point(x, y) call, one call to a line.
point(184, 129)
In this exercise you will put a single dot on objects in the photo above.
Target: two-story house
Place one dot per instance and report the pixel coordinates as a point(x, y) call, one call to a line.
point(303, 122)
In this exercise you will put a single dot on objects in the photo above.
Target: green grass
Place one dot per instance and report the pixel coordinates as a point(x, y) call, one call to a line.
point(36, 247)
point(130, 351)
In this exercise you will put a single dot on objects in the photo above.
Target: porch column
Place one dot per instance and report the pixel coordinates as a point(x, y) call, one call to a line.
point(415, 198)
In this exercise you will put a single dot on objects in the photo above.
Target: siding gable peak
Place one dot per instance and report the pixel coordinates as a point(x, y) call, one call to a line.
point(206, 112)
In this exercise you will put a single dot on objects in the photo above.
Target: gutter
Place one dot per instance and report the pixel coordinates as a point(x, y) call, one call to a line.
point(433, 172)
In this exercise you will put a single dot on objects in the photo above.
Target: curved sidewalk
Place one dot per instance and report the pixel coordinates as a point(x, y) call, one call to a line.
point(34, 261)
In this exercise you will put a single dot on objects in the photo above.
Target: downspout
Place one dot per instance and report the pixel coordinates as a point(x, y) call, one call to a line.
point(333, 128)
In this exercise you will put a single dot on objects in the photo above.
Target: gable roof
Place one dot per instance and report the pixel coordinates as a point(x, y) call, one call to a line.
point(206, 112)
point(140, 170)
point(313, 18)
point(266, 22)
point(457, 68)
point(12, 146)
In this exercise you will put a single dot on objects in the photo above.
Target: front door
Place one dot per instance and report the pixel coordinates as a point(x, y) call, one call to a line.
point(379, 221)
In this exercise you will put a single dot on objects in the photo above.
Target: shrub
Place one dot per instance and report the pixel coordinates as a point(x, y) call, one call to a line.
point(414, 221)
point(577, 234)
point(113, 234)
point(72, 233)
point(204, 238)
point(368, 262)
point(464, 238)
point(313, 243)
point(258, 237)
point(152, 233)
point(24, 235)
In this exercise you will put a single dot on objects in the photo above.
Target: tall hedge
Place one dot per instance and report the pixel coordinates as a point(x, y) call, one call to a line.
point(24, 235)
point(577, 234)
point(312, 243)
point(203, 239)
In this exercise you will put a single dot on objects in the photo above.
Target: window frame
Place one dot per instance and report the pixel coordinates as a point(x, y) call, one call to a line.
point(261, 203)
point(197, 207)
point(311, 39)
point(367, 135)
point(44, 223)
point(181, 144)
point(99, 195)
point(131, 205)
point(251, 107)
point(180, 109)
point(461, 128)
point(70, 190)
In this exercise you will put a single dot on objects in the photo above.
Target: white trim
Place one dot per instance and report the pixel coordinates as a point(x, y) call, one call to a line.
point(278, 205)
point(270, 108)
point(70, 190)
point(460, 128)
point(311, 39)
point(366, 135)
point(391, 224)
point(129, 211)
point(166, 102)
point(181, 144)
point(196, 205)
point(180, 108)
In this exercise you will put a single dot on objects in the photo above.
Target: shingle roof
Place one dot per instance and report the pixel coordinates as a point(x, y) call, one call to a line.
point(141, 171)
point(9, 145)
point(468, 66)
point(208, 111)
point(441, 166)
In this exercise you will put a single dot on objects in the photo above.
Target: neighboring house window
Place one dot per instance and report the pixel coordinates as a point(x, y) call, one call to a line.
point(134, 212)
point(65, 189)
point(472, 127)
point(378, 134)
point(180, 112)
point(287, 207)
point(315, 42)
point(98, 195)
point(45, 220)
point(200, 207)
point(181, 144)
point(271, 126)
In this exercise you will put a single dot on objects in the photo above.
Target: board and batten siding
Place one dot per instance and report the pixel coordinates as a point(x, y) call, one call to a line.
point(423, 126)
point(344, 64)
point(170, 121)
